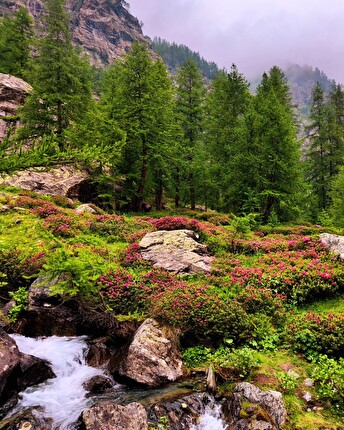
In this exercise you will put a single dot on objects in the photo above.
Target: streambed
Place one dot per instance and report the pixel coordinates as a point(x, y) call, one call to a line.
point(64, 397)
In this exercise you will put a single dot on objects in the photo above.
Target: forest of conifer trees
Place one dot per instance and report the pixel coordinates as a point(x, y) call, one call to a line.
point(182, 141)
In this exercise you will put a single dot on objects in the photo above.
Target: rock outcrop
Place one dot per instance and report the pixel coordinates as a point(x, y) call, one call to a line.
point(60, 181)
point(334, 242)
point(176, 251)
point(13, 92)
point(9, 362)
point(19, 371)
point(104, 28)
point(267, 412)
point(185, 412)
point(109, 416)
point(151, 359)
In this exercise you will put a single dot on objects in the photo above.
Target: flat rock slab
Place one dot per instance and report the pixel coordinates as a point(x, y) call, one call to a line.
point(176, 251)
point(334, 242)
point(109, 416)
point(54, 182)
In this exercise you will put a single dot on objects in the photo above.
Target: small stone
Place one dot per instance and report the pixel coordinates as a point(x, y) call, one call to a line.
point(293, 374)
point(85, 208)
point(308, 382)
point(18, 221)
point(307, 396)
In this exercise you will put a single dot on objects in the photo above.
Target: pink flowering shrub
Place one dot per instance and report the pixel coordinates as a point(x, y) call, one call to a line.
point(46, 209)
point(176, 223)
point(131, 257)
point(302, 272)
point(263, 301)
point(200, 311)
point(62, 225)
point(18, 267)
point(315, 334)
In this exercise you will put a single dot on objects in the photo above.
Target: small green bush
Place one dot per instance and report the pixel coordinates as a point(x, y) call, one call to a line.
point(20, 297)
point(329, 382)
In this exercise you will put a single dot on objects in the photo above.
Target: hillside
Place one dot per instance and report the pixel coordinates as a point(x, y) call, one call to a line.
point(104, 28)
point(175, 55)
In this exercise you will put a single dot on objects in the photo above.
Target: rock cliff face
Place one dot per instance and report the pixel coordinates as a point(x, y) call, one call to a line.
point(12, 95)
point(104, 28)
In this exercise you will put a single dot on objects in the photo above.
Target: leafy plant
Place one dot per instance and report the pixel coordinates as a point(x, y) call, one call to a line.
point(196, 355)
point(21, 297)
point(329, 378)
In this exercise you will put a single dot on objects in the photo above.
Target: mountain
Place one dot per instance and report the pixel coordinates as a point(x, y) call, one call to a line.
point(175, 55)
point(302, 80)
point(104, 28)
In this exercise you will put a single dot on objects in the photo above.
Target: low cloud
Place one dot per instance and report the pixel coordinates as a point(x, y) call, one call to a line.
point(254, 34)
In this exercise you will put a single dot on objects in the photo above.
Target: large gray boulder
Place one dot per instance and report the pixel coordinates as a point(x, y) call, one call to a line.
point(19, 371)
point(13, 92)
point(334, 242)
point(271, 401)
point(176, 251)
point(152, 358)
point(109, 416)
point(9, 363)
point(60, 181)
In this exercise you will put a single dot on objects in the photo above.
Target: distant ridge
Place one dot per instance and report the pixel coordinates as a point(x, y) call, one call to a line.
point(175, 55)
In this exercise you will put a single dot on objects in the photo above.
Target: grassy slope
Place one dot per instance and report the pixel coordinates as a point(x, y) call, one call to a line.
point(38, 234)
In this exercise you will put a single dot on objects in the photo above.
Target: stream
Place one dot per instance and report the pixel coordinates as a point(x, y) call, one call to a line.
point(63, 398)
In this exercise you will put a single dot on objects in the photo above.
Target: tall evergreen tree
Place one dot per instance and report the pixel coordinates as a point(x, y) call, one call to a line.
point(16, 37)
point(61, 80)
point(278, 183)
point(189, 107)
point(226, 103)
point(137, 94)
point(265, 175)
point(320, 149)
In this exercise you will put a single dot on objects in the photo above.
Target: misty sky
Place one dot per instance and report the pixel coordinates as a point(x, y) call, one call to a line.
point(253, 34)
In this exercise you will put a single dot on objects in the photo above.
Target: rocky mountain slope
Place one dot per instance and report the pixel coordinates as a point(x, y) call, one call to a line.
point(104, 28)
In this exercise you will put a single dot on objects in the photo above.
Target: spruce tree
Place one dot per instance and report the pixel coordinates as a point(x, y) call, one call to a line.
point(137, 95)
point(61, 80)
point(16, 38)
point(265, 172)
point(226, 104)
point(190, 113)
point(278, 182)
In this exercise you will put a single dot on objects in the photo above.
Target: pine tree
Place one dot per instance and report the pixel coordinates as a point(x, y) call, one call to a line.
point(16, 38)
point(189, 107)
point(227, 102)
point(265, 173)
point(278, 179)
point(137, 94)
point(61, 80)
point(320, 149)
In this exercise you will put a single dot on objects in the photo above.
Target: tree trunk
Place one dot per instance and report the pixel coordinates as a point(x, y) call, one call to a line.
point(177, 197)
point(159, 191)
point(142, 184)
point(192, 192)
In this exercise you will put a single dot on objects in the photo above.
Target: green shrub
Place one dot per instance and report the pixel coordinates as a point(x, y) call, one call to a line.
point(196, 355)
point(237, 363)
point(329, 382)
point(20, 297)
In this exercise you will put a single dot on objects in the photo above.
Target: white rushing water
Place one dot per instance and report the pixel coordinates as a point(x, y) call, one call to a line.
point(211, 419)
point(63, 398)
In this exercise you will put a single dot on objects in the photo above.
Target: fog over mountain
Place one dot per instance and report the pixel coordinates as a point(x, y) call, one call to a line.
point(253, 34)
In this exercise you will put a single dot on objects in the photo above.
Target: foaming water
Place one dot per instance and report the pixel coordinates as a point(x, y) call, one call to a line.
point(211, 419)
point(63, 398)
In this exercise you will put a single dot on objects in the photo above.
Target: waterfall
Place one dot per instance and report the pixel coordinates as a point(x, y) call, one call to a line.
point(63, 398)
point(211, 419)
